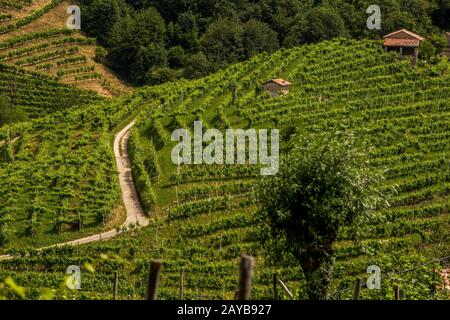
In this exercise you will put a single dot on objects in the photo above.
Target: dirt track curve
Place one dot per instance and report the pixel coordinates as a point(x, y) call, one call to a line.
point(135, 213)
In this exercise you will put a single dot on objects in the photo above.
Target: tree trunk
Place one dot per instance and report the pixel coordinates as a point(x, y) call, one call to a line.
point(317, 273)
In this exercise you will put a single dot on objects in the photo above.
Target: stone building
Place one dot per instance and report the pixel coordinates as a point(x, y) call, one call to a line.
point(277, 87)
point(405, 42)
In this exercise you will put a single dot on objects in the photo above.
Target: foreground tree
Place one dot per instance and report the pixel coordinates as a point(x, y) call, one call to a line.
point(323, 185)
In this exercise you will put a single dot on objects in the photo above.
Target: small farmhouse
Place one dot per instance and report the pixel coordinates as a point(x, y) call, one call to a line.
point(277, 87)
point(405, 42)
point(447, 50)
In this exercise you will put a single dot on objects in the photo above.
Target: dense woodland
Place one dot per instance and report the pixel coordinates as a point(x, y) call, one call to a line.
point(153, 41)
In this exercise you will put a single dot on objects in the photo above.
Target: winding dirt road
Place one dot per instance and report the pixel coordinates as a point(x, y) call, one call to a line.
point(135, 213)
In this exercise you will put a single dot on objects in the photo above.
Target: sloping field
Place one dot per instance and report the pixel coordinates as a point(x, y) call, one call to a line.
point(36, 38)
point(34, 95)
point(204, 216)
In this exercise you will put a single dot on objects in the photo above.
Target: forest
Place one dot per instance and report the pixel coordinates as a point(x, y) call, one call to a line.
point(155, 41)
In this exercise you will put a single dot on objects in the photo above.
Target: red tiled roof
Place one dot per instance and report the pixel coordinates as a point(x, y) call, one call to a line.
point(445, 274)
point(401, 43)
point(280, 82)
point(412, 34)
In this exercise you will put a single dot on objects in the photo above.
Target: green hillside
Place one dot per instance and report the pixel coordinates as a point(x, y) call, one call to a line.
point(26, 95)
point(204, 216)
point(58, 174)
point(34, 37)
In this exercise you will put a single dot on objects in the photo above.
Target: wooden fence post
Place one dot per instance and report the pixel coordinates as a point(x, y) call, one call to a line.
point(396, 292)
point(434, 283)
point(153, 279)
point(246, 274)
point(286, 289)
point(116, 285)
point(275, 293)
point(182, 284)
point(357, 291)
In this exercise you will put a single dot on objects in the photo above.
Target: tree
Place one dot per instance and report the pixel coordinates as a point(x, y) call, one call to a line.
point(197, 65)
point(283, 14)
point(99, 17)
point(8, 112)
point(324, 185)
point(222, 42)
point(432, 47)
point(439, 42)
point(185, 32)
point(100, 54)
point(7, 214)
point(147, 58)
point(34, 212)
point(258, 37)
point(161, 75)
point(441, 15)
point(131, 33)
point(319, 23)
point(6, 229)
point(176, 57)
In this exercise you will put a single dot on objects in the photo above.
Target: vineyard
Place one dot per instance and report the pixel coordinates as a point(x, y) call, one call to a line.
point(58, 172)
point(15, 14)
point(35, 95)
point(34, 37)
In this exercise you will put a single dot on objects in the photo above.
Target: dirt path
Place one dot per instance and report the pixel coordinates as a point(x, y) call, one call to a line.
point(135, 214)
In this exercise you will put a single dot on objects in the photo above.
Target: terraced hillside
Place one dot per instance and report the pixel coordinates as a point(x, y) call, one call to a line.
point(59, 180)
point(34, 37)
point(15, 14)
point(338, 86)
point(204, 216)
point(28, 95)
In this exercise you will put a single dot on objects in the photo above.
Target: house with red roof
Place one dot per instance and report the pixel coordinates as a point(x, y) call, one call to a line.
point(405, 42)
point(277, 87)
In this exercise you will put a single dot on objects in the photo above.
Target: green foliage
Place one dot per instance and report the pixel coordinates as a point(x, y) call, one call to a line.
point(161, 75)
point(9, 113)
point(197, 66)
point(227, 31)
point(144, 168)
point(185, 31)
point(131, 33)
point(30, 18)
point(324, 184)
point(100, 54)
point(341, 85)
point(28, 95)
point(6, 228)
point(147, 58)
point(99, 16)
point(176, 57)
point(258, 37)
point(432, 47)
point(320, 23)
point(222, 42)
